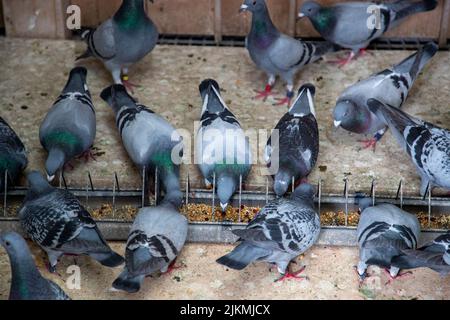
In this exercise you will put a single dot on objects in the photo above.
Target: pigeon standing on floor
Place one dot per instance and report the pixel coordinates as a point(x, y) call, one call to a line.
point(150, 140)
point(122, 40)
point(69, 128)
point(13, 156)
point(384, 231)
point(27, 283)
point(275, 53)
point(391, 86)
point(427, 145)
point(296, 151)
point(354, 25)
point(222, 148)
point(59, 224)
point(434, 255)
point(282, 230)
point(155, 240)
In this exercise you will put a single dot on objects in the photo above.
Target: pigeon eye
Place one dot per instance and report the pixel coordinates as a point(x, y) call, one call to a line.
point(7, 243)
point(254, 3)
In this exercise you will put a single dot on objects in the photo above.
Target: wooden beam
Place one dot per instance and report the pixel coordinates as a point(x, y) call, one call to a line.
point(218, 21)
point(445, 25)
point(292, 17)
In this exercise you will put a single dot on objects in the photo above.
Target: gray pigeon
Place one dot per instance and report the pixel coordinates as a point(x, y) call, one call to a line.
point(155, 240)
point(150, 140)
point(391, 86)
point(222, 148)
point(434, 255)
point(57, 222)
point(282, 230)
point(13, 156)
point(122, 40)
point(427, 145)
point(384, 231)
point(275, 53)
point(68, 129)
point(354, 25)
point(296, 151)
point(27, 282)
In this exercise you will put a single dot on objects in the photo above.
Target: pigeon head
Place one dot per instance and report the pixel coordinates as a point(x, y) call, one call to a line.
point(117, 96)
point(77, 81)
point(37, 183)
point(55, 160)
point(304, 103)
point(304, 191)
point(13, 243)
point(212, 101)
point(174, 198)
point(282, 182)
point(226, 186)
point(253, 6)
point(309, 9)
point(206, 87)
point(363, 201)
point(344, 113)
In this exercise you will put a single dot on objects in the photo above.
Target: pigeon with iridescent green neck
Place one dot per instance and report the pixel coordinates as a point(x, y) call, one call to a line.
point(275, 53)
point(150, 140)
point(222, 148)
point(122, 40)
point(69, 127)
point(354, 25)
point(13, 156)
point(27, 283)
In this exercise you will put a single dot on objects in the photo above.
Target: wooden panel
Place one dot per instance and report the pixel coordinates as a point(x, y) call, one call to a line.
point(2, 23)
point(36, 18)
point(234, 23)
point(183, 16)
point(424, 25)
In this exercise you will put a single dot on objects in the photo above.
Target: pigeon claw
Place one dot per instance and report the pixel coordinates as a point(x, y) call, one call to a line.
point(283, 101)
point(344, 61)
point(129, 85)
point(292, 275)
point(369, 143)
point(399, 276)
point(264, 94)
point(173, 267)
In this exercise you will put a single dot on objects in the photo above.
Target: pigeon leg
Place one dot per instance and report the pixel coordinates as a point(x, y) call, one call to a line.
point(344, 61)
point(286, 100)
point(129, 85)
point(172, 267)
point(398, 276)
point(361, 277)
point(68, 166)
point(372, 142)
point(292, 275)
point(87, 155)
point(267, 91)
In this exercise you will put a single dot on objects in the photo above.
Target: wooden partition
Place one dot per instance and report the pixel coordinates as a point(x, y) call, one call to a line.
point(199, 17)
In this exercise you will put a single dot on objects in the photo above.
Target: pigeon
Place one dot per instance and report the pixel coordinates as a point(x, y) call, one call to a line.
point(296, 149)
point(384, 231)
point(151, 142)
point(427, 144)
point(69, 127)
point(354, 25)
point(57, 222)
point(155, 240)
point(27, 282)
point(122, 40)
point(434, 255)
point(13, 156)
point(222, 148)
point(275, 53)
point(391, 86)
point(282, 230)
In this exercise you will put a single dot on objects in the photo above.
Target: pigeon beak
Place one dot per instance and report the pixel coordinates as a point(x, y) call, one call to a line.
point(50, 178)
point(224, 206)
point(301, 15)
point(243, 8)
point(337, 123)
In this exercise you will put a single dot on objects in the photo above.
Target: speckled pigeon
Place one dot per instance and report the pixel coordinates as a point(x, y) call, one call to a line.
point(282, 230)
point(69, 127)
point(296, 151)
point(434, 255)
point(150, 140)
point(13, 156)
point(427, 145)
point(27, 283)
point(155, 240)
point(275, 53)
point(57, 222)
point(122, 40)
point(391, 86)
point(354, 25)
point(384, 231)
point(222, 148)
